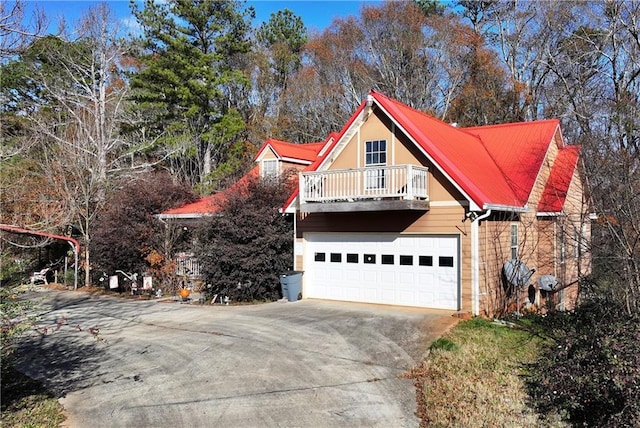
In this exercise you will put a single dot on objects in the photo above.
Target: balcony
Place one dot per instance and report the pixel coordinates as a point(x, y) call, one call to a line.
point(374, 188)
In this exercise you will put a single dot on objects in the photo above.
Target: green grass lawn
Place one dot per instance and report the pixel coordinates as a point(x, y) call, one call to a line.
point(26, 403)
point(475, 376)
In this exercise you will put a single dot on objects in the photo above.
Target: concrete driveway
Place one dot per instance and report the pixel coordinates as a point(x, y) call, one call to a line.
point(121, 363)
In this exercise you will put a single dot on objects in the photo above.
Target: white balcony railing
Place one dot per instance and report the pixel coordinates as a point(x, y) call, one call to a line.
point(404, 182)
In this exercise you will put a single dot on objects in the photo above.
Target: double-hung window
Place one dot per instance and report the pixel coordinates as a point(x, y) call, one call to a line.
point(269, 168)
point(375, 156)
point(514, 242)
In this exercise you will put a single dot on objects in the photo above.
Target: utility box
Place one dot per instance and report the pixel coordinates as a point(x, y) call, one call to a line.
point(291, 285)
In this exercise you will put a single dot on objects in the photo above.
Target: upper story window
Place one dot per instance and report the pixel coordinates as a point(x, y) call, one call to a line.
point(375, 155)
point(375, 152)
point(270, 168)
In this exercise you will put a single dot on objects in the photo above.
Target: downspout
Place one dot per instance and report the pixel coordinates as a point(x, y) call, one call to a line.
point(475, 261)
point(295, 237)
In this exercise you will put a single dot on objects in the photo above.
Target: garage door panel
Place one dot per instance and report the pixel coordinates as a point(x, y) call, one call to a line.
point(411, 270)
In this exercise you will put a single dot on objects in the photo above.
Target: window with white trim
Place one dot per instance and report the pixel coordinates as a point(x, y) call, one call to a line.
point(375, 155)
point(270, 168)
point(514, 241)
point(581, 242)
point(563, 245)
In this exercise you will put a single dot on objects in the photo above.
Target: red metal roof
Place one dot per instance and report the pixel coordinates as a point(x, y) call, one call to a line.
point(459, 154)
point(557, 187)
point(518, 150)
point(492, 165)
point(211, 204)
point(304, 152)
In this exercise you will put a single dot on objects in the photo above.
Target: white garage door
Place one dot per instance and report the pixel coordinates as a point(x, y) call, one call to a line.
point(407, 270)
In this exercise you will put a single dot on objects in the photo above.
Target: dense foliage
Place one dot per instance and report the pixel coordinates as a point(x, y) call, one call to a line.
point(126, 231)
point(187, 54)
point(243, 251)
point(590, 371)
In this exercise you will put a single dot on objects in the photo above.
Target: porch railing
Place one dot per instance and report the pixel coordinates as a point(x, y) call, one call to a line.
point(406, 182)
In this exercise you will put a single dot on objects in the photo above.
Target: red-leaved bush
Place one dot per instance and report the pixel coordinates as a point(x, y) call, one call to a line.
point(243, 251)
point(126, 232)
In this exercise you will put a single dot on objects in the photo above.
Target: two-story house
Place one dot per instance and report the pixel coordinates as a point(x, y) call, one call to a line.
point(401, 208)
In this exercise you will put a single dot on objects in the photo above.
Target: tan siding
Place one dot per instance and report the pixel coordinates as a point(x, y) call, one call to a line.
point(400, 151)
point(494, 250)
point(438, 221)
point(267, 154)
point(286, 166)
point(347, 158)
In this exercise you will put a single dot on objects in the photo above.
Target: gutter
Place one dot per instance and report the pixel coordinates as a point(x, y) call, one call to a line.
point(475, 259)
point(508, 208)
point(181, 216)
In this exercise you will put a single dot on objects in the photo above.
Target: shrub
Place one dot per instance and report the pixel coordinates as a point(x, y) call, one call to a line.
point(126, 232)
point(590, 370)
point(243, 251)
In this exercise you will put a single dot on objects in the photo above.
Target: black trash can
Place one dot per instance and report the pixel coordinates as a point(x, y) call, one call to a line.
point(291, 285)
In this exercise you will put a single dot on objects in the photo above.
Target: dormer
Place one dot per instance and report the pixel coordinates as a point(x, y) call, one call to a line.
point(275, 156)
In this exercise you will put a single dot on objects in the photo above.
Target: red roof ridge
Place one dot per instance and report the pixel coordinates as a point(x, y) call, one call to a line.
point(426, 115)
point(502, 125)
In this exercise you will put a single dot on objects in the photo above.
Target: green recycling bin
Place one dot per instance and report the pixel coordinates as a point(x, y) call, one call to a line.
point(291, 285)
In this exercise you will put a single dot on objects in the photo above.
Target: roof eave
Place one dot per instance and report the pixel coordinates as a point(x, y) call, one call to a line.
point(550, 214)
point(183, 216)
point(295, 160)
point(507, 208)
point(290, 206)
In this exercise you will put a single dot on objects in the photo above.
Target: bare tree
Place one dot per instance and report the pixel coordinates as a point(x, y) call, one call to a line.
point(74, 91)
point(16, 31)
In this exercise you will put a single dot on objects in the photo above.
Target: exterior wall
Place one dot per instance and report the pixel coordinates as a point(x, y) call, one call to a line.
point(447, 205)
point(537, 236)
point(540, 243)
point(494, 251)
point(400, 151)
point(267, 154)
point(441, 220)
point(284, 166)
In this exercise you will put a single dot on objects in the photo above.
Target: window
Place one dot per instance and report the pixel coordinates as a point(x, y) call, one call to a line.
point(375, 152)
point(406, 260)
point(336, 257)
point(425, 261)
point(581, 241)
point(514, 241)
point(445, 261)
point(269, 168)
point(375, 155)
point(584, 240)
point(369, 259)
point(352, 258)
point(319, 257)
point(563, 245)
point(386, 259)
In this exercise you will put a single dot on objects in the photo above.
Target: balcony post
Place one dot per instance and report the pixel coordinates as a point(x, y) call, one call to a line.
point(409, 184)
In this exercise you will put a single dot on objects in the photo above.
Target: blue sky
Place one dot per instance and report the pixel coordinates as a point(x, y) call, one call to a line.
point(316, 15)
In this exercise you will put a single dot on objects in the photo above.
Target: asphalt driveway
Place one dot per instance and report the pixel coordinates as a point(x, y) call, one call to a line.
point(120, 363)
